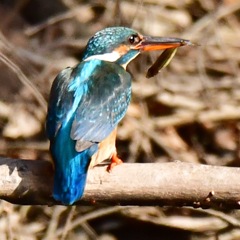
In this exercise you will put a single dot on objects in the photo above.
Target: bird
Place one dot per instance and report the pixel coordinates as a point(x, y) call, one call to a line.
point(88, 101)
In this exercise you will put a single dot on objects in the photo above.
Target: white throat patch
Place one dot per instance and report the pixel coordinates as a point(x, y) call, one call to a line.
point(110, 57)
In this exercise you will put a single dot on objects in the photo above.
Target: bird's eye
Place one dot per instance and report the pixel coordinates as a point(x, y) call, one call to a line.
point(134, 39)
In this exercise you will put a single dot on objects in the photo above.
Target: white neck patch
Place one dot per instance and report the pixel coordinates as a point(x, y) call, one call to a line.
point(110, 57)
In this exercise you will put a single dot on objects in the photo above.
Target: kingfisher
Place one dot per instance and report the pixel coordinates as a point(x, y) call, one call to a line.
point(88, 101)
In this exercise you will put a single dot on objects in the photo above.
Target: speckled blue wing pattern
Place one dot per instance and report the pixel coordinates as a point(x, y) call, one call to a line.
point(86, 103)
point(95, 94)
point(104, 102)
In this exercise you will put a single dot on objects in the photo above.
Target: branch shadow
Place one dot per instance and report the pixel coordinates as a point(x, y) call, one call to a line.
point(32, 180)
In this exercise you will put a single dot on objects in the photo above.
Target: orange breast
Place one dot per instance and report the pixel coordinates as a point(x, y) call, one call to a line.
point(105, 149)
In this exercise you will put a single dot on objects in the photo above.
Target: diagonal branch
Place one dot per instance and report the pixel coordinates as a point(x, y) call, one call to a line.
point(164, 184)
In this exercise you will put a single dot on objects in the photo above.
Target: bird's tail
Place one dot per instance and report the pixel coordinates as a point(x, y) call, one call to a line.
point(70, 168)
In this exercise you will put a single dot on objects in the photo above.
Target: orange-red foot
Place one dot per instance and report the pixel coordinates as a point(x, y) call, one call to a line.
point(114, 162)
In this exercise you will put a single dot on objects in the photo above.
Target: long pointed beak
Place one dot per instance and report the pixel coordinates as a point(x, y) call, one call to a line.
point(160, 43)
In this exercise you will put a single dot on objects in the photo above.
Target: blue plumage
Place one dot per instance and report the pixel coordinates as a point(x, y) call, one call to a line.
point(81, 114)
point(88, 101)
point(107, 40)
point(70, 167)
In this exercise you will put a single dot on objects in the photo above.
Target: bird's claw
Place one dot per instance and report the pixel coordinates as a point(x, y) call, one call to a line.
point(115, 160)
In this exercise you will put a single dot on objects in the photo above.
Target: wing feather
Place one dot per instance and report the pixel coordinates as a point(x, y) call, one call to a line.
point(104, 104)
point(94, 96)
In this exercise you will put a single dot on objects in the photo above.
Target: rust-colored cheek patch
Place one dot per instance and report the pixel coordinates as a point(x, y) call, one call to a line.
point(122, 49)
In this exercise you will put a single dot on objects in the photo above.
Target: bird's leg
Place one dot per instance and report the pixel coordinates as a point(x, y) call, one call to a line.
point(115, 160)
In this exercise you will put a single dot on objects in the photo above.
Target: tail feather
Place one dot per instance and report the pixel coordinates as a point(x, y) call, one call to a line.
point(70, 178)
point(70, 168)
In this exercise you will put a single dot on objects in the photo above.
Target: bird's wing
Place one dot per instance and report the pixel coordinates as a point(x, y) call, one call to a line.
point(103, 105)
point(60, 102)
point(95, 95)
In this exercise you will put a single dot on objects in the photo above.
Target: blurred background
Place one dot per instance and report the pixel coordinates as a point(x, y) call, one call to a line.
point(189, 111)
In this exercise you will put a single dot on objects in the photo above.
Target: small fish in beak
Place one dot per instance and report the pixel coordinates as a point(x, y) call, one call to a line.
point(165, 58)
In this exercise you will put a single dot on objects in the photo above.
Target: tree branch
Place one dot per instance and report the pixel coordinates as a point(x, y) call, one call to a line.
point(164, 184)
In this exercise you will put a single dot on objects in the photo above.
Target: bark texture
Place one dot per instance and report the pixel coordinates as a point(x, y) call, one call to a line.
point(163, 184)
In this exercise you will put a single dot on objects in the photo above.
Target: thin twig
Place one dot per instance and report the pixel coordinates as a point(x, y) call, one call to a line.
point(208, 18)
point(53, 224)
point(92, 215)
point(25, 81)
point(223, 216)
point(67, 225)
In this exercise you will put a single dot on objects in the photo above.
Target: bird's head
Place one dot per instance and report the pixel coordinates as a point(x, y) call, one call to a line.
point(121, 45)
